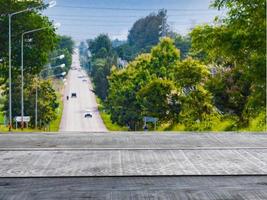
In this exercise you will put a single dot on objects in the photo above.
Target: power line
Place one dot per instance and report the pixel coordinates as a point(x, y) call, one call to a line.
point(128, 16)
point(97, 33)
point(114, 22)
point(132, 9)
point(119, 24)
point(96, 21)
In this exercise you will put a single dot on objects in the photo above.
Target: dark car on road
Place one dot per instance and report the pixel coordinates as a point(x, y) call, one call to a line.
point(73, 95)
point(88, 115)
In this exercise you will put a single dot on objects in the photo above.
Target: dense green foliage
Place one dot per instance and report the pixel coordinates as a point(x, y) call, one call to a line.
point(213, 79)
point(101, 62)
point(183, 43)
point(47, 100)
point(158, 84)
point(36, 52)
point(65, 47)
point(66, 42)
point(146, 33)
point(39, 48)
point(237, 50)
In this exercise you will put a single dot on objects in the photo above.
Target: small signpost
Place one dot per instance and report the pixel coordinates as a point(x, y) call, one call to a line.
point(151, 119)
point(26, 119)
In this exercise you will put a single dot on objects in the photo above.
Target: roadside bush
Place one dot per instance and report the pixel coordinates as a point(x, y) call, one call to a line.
point(258, 123)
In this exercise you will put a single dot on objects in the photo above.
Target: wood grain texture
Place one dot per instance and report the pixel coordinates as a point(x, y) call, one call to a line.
point(135, 188)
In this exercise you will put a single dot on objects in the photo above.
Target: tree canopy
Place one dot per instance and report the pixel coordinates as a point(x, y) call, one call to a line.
point(37, 45)
point(237, 49)
point(39, 48)
point(212, 79)
point(156, 84)
point(102, 60)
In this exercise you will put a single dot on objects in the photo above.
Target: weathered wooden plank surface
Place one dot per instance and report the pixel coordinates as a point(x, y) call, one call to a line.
point(132, 140)
point(124, 154)
point(132, 162)
point(135, 188)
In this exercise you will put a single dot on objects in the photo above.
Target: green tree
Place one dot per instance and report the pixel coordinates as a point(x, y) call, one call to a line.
point(47, 100)
point(146, 32)
point(230, 90)
point(240, 47)
point(158, 84)
point(37, 45)
point(190, 73)
point(183, 43)
point(125, 51)
point(197, 106)
point(100, 47)
point(66, 42)
point(99, 74)
point(103, 58)
point(160, 99)
point(164, 58)
point(122, 102)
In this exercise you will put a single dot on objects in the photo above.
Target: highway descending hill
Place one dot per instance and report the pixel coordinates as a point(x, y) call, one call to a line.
point(75, 108)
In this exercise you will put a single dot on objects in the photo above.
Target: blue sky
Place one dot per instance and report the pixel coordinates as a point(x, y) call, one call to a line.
point(83, 19)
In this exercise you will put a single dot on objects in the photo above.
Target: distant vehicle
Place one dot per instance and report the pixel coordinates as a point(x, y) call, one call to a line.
point(88, 115)
point(84, 80)
point(92, 90)
point(73, 95)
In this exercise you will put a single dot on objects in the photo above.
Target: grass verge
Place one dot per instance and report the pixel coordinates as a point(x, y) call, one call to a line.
point(106, 118)
point(54, 126)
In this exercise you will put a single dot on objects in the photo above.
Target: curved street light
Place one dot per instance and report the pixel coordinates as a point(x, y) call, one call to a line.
point(22, 67)
point(58, 57)
point(50, 5)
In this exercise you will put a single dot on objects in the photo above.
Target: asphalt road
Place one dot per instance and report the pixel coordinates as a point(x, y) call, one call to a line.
point(74, 109)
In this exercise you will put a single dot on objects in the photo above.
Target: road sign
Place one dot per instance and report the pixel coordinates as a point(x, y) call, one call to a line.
point(150, 119)
point(25, 119)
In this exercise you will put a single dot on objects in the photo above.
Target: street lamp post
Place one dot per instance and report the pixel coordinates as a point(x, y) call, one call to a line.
point(58, 57)
point(22, 70)
point(50, 4)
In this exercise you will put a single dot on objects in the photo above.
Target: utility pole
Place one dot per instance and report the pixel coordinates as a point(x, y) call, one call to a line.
point(22, 82)
point(36, 103)
point(163, 34)
point(10, 74)
point(164, 26)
